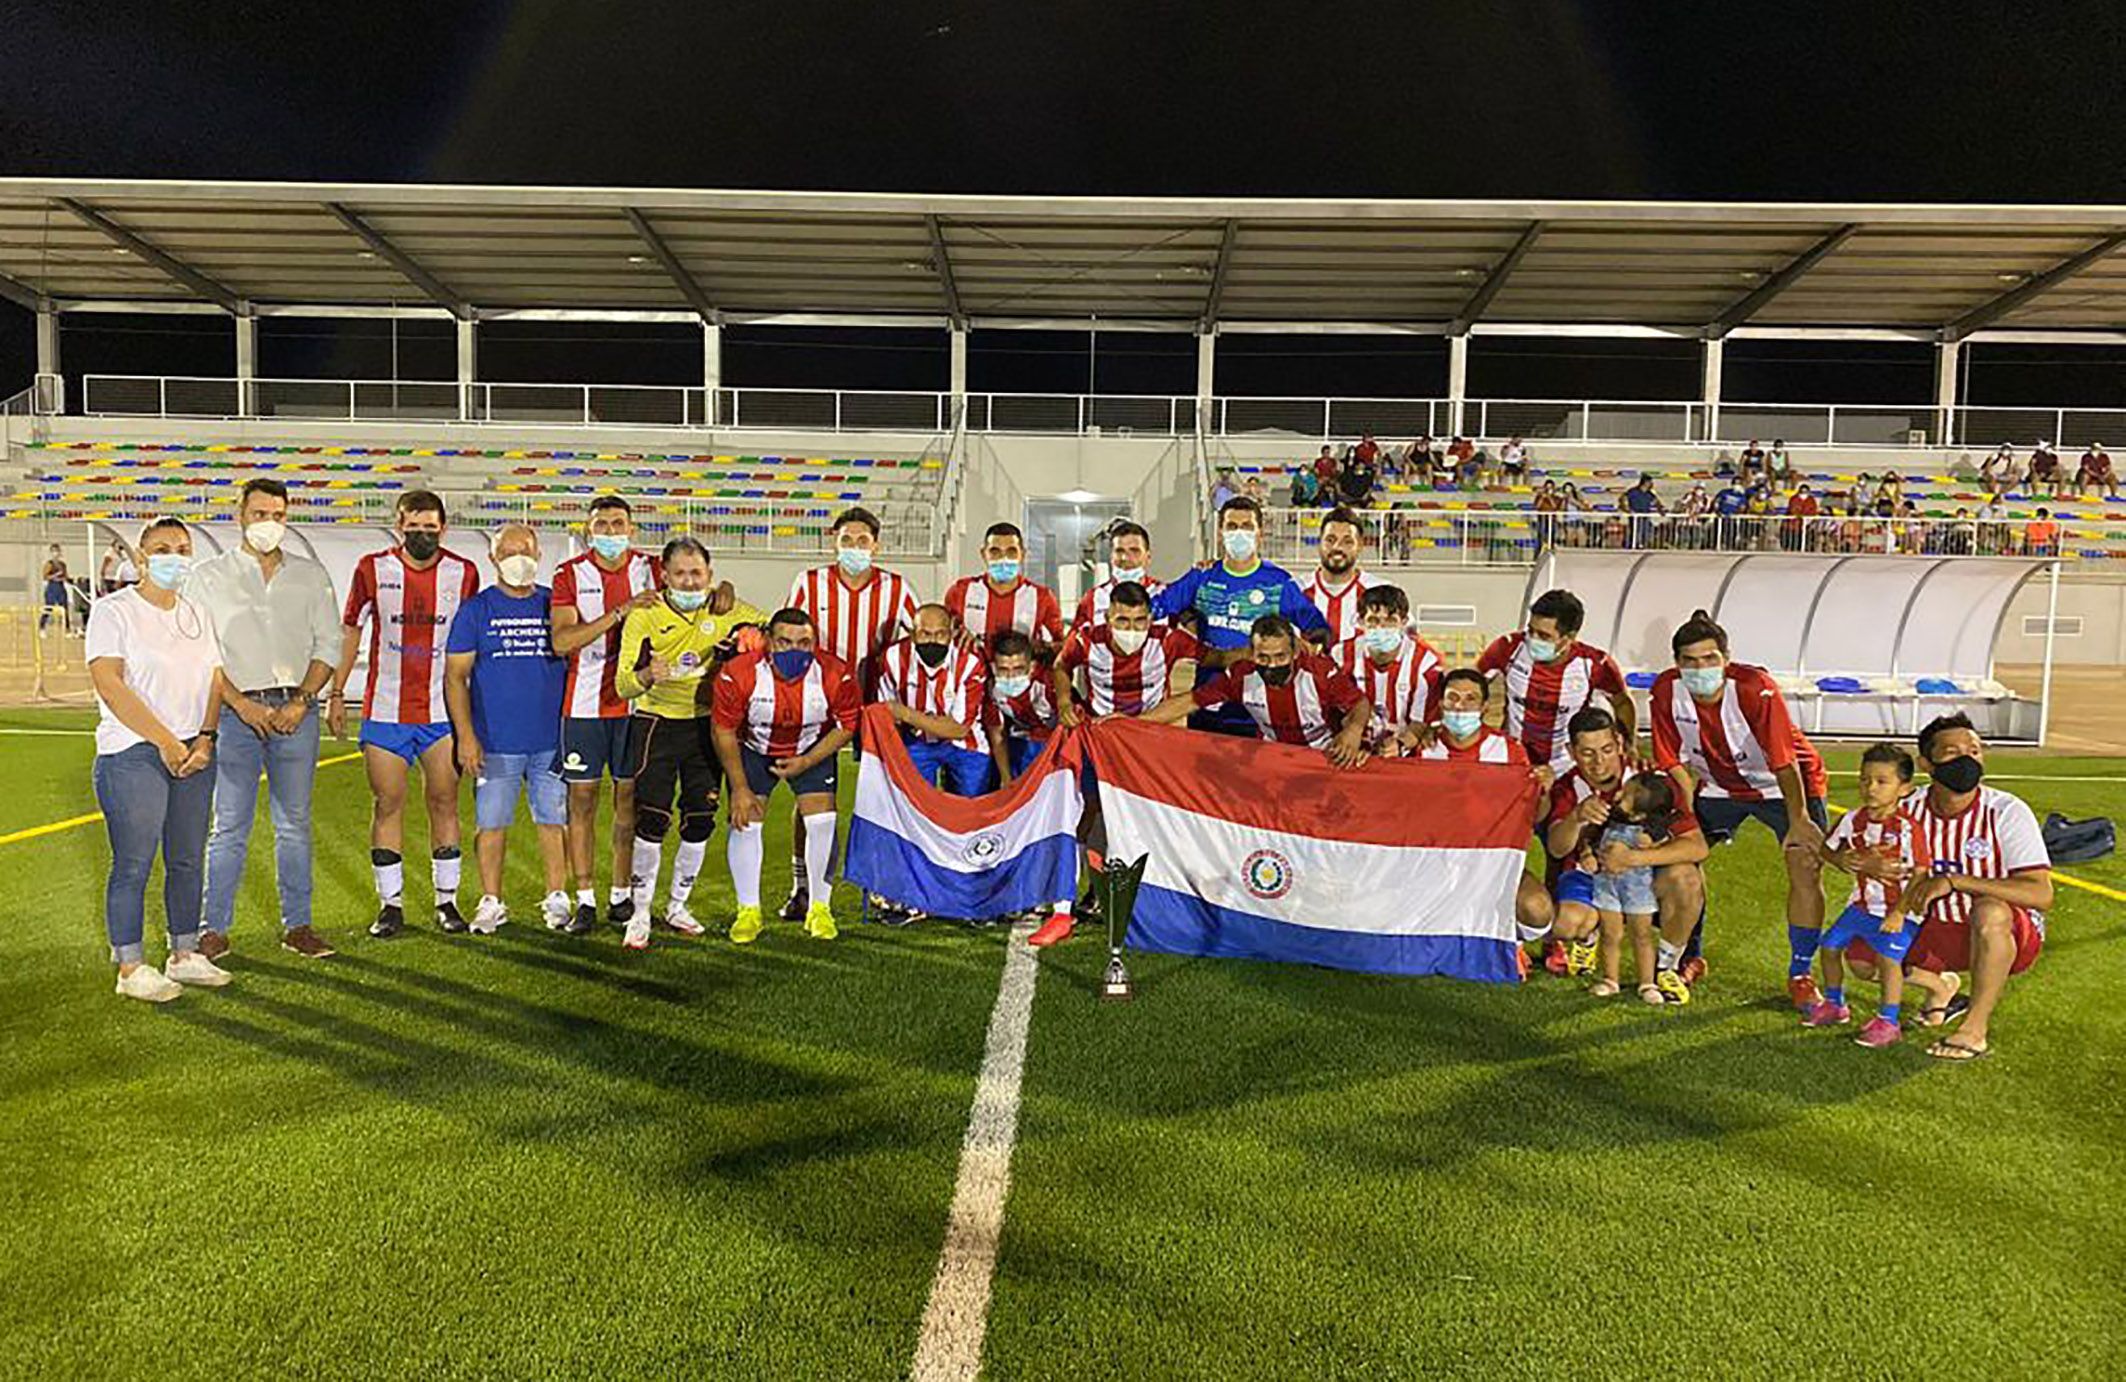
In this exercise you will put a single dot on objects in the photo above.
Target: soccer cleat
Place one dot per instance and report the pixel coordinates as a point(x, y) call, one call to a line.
point(637, 936)
point(149, 985)
point(1825, 1013)
point(746, 926)
point(555, 910)
point(1054, 931)
point(681, 920)
point(488, 917)
point(1692, 969)
point(622, 912)
point(584, 921)
point(1581, 956)
point(795, 905)
point(306, 943)
point(1554, 958)
point(390, 920)
point(195, 971)
point(1672, 987)
point(449, 920)
point(1803, 993)
point(819, 922)
point(1879, 1032)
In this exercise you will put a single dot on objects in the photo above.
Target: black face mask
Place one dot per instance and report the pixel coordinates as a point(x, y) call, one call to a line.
point(420, 544)
point(1275, 676)
point(1959, 775)
point(932, 654)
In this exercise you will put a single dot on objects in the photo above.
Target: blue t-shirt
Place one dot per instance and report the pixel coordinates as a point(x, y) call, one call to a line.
point(1227, 605)
point(1641, 500)
point(1729, 500)
point(516, 679)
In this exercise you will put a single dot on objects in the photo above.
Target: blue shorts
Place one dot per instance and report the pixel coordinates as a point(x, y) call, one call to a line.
point(966, 772)
point(591, 748)
point(1721, 817)
point(1022, 753)
point(1860, 924)
point(494, 791)
point(817, 780)
point(1576, 886)
point(407, 741)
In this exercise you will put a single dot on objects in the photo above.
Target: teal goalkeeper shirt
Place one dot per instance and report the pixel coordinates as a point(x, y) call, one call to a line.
point(1227, 605)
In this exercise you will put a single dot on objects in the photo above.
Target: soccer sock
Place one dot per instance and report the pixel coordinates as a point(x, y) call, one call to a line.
point(686, 866)
point(1892, 1012)
point(1667, 954)
point(586, 897)
point(620, 892)
point(390, 871)
point(1062, 909)
point(1531, 934)
point(443, 871)
point(747, 847)
point(649, 857)
point(1835, 997)
point(1803, 940)
point(819, 852)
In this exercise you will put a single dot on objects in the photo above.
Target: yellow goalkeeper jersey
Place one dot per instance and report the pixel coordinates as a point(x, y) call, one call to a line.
point(687, 643)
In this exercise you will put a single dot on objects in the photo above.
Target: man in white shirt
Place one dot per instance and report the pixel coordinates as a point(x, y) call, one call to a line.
point(278, 626)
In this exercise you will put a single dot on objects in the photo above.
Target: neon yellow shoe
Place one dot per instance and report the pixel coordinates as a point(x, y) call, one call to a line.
point(1580, 956)
point(1671, 985)
point(819, 922)
point(745, 927)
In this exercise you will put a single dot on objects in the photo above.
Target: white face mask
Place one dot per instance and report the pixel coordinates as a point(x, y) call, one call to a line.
point(518, 570)
point(1128, 573)
point(266, 535)
point(1128, 641)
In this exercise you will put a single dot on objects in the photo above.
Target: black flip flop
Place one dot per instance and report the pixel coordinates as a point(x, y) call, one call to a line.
point(1948, 1012)
point(1970, 1053)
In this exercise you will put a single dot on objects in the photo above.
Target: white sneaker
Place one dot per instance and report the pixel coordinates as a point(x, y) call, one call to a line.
point(638, 932)
point(681, 920)
point(195, 969)
point(148, 984)
point(557, 909)
point(489, 916)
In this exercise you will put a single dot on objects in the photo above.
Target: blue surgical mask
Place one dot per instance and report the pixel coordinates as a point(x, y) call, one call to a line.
point(687, 601)
point(610, 546)
point(1542, 649)
point(1011, 688)
point(1127, 573)
point(1239, 544)
point(1003, 572)
point(1381, 641)
point(1462, 724)
point(791, 663)
point(170, 570)
point(1703, 682)
point(854, 561)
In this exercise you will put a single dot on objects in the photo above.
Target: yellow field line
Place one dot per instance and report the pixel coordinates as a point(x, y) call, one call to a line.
point(2058, 875)
point(17, 836)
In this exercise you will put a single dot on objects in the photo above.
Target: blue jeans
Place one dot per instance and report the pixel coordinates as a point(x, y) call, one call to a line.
point(504, 775)
point(966, 772)
point(290, 765)
point(145, 810)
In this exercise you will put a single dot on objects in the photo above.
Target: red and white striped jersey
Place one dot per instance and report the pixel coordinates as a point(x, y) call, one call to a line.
point(1490, 746)
point(1736, 747)
point(1901, 837)
point(1029, 715)
point(855, 622)
point(1339, 607)
point(1307, 710)
point(1995, 836)
point(1126, 684)
point(581, 584)
point(1027, 607)
point(1404, 692)
point(409, 612)
point(779, 718)
point(1092, 605)
point(955, 689)
point(1542, 697)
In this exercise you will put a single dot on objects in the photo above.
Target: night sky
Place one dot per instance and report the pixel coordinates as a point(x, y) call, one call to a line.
point(1528, 98)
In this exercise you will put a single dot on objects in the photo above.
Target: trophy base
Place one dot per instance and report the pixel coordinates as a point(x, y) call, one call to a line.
point(1115, 984)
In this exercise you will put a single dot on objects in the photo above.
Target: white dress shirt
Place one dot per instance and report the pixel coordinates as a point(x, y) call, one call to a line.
point(270, 631)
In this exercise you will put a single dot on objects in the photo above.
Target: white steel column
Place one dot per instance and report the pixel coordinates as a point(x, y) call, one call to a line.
point(958, 377)
point(1946, 359)
point(246, 361)
point(711, 368)
point(1457, 381)
point(1712, 354)
point(1206, 376)
point(47, 339)
point(468, 365)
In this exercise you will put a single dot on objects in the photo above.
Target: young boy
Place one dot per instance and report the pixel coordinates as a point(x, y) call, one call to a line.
point(1624, 890)
point(1885, 827)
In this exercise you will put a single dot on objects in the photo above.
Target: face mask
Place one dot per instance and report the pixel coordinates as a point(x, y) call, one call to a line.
point(1239, 544)
point(611, 546)
point(1275, 676)
point(1003, 572)
point(854, 561)
point(1011, 688)
point(1128, 641)
point(421, 544)
point(1128, 573)
point(266, 535)
point(1382, 641)
point(932, 654)
point(1462, 724)
point(1959, 775)
point(1703, 682)
point(687, 601)
point(1542, 649)
point(518, 570)
point(791, 663)
point(170, 570)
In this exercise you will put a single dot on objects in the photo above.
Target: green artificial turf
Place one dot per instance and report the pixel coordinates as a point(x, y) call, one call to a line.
point(530, 1155)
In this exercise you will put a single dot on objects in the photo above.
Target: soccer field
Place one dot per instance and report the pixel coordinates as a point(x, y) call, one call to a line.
point(531, 1155)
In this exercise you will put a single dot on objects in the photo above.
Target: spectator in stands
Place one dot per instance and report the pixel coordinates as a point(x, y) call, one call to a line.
point(1645, 508)
point(1891, 488)
point(1325, 468)
point(1728, 505)
point(118, 570)
point(1797, 533)
point(1548, 503)
point(1695, 510)
point(1001, 598)
point(1287, 693)
point(1573, 526)
point(1420, 462)
point(1779, 465)
point(1367, 450)
point(156, 669)
point(1752, 466)
point(1223, 489)
point(2095, 472)
point(1513, 460)
point(2045, 476)
point(503, 683)
point(1992, 526)
point(1460, 449)
point(279, 631)
point(58, 597)
point(1963, 534)
point(1256, 490)
point(1354, 485)
point(2041, 536)
point(2000, 471)
point(1469, 463)
point(1911, 530)
point(1306, 489)
point(1757, 510)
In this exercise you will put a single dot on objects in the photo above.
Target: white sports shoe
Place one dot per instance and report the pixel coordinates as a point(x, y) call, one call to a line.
point(197, 970)
point(638, 932)
point(681, 920)
point(557, 909)
point(148, 984)
point(490, 916)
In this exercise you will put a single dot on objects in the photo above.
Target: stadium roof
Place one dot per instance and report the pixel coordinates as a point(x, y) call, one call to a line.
point(1441, 265)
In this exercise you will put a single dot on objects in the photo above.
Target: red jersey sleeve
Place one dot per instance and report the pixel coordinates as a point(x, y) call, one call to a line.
point(564, 592)
point(1606, 676)
point(728, 709)
point(1916, 842)
point(1076, 648)
point(1496, 655)
point(1048, 616)
point(1223, 688)
point(844, 698)
point(470, 585)
point(1561, 800)
point(1668, 740)
point(1515, 754)
point(1764, 710)
point(1084, 613)
point(361, 592)
point(956, 600)
point(904, 613)
point(1181, 646)
point(1338, 691)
